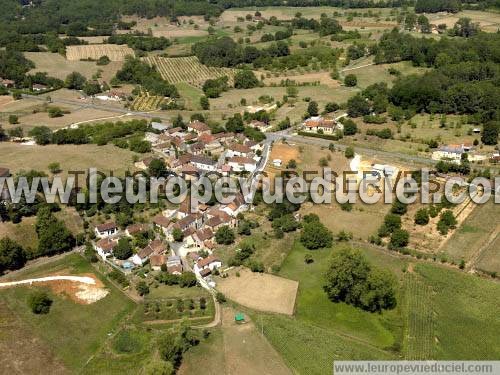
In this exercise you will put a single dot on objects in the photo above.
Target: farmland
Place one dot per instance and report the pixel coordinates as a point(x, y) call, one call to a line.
point(70, 327)
point(57, 66)
point(95, 51)
point(146, 103)
point(235, 349)
point(105, 158)
point(423, 325)
point(261, 292)
point(187, 69)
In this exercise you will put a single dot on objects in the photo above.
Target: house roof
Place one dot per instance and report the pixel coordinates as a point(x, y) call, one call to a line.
point(106, 226)
point(241, 160)
point(239, 148)
point(174, 130)
point(204, 234)
point(200, 159)
point(161, 221)
point(199, 126)
point(186, 221)
point(223, 135)
point(154, 247)
point(175, 269)
point(157, 260)
point(206, 261)
point(106, 245)
point(194, 255)
point(205, 272)
point(137, 228)
point(207, 138)
point(4, 172)
point(214, 221)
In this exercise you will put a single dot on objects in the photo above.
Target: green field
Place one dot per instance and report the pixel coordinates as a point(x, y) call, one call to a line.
point(473, 234)
point(73, 332)
point(434, 317)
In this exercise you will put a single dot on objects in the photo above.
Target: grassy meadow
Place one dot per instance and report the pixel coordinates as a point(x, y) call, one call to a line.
point(74, 332)
point(433, 319)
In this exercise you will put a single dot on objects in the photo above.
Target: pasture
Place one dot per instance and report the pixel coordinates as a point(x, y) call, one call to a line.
point(95, 51)
point(488, 21)
point(24, 233)
point(107, 158)
point(55, 65)
point(432, 302)
point(71, 331)
point(260, 291)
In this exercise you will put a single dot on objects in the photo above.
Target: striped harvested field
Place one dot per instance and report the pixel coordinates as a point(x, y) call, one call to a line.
point(95, 51)
point(187, 69)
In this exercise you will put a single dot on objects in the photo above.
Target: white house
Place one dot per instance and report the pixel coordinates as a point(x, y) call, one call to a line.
point(241, 164)
point(106, 229)
point(237, 149)
point(451, 152)
point(207, 265)
point(105, 247)
point(159, 126)
point(154, 247)
point(204, 163)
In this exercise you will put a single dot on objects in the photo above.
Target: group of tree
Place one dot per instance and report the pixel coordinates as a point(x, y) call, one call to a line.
point(140, 42)
point(216, 86)
point(12, 255)
point(225, 52)
point(462, 78)
point(325, 26)
point(314, 234)
point(138, 72)
point(53, 236)
point(351, 279)
point(435, 6)
point(127, 134)
point(391, 227)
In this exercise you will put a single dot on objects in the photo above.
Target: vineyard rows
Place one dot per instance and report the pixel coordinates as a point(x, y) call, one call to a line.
point(419, 320)
point(146, 103)
point(187, 69)
point(95, 51)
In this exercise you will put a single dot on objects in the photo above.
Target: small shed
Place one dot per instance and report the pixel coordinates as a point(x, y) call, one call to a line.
point(239, 318)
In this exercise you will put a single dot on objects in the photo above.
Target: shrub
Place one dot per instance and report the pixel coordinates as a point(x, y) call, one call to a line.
point(221, 298)
point(39, 302)
point(350, 80)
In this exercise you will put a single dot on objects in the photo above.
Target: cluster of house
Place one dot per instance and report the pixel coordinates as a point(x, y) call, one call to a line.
point(321, 124)
point(155, 252)
point(197, 227)
point(192, 151)
point(455, 152)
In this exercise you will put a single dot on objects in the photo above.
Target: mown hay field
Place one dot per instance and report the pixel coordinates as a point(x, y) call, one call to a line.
point(95, 51)
point(187, 69)
point(55, 65)
point(260, 291)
